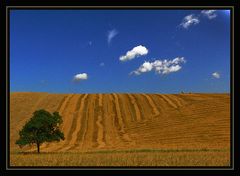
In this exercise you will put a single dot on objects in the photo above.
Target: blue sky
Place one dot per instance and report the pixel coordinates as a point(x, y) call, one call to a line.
point(104, 51)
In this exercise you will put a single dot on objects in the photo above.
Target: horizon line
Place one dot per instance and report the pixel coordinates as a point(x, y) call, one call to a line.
point(181, 92)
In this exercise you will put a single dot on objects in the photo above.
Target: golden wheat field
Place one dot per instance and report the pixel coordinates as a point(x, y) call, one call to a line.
point(127, 129)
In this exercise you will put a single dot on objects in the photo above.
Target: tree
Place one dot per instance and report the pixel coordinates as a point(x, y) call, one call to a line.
point(42, 127)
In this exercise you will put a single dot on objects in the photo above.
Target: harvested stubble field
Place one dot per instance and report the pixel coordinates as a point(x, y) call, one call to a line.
point(127, 129)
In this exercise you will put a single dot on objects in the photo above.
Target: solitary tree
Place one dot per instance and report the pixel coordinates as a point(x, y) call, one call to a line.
point(42, 127)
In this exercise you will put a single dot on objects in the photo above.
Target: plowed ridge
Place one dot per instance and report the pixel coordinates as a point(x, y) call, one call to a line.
point(136, 108)
point(152, 104)
point(100, 134)
point(73, 140)
point(120, 122)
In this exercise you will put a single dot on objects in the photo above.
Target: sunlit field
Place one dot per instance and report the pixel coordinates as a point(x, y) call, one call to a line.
point(127, 129)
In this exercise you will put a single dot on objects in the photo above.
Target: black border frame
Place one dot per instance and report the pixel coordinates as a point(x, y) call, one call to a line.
point(119, 5)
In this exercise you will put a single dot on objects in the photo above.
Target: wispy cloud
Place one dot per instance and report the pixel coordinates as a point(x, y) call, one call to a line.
point(111, 34)
point(189, 20)
point(80, 76)
point(216, 75)
point(101, 64)
point(135, 52)
point(194, 19)
point(160, 66)
point(209, 13)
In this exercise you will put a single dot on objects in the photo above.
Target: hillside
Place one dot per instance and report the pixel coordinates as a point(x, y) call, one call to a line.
point(128, 121)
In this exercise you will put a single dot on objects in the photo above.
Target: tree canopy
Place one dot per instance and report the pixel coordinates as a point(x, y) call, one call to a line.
point(42, 127)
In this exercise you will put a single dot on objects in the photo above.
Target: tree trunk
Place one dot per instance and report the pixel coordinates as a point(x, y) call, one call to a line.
point(38, 147)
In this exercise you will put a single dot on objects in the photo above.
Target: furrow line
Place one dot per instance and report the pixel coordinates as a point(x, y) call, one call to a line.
point(95, 126)
point(128, 107)
point(100, 132)
point(168, 100)
point(177, 99)
point(108, 123)
point(61, 103)
point(65, 103)
point(84, 123)
point(75, 136)
point(120, 123)
point(152, 104)
point(88, 134)
point(136, 98)
point(68, 140)
point(46, 145)
point(122, 111)
point(64, 111)
point(136, 108)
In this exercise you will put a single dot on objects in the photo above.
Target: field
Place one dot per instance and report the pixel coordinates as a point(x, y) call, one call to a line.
point(127, 129)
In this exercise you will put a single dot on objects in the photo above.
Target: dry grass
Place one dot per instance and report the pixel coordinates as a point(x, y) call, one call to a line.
point(93, 122)
point(123, 158)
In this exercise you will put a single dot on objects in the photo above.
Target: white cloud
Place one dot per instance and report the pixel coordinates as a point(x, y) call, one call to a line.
point(145, 67)
point(111, 34)
point(102, 64)
point(189, 20)
point(80, 76)
point(135, 52)
point(209, 13)
point(193, 19)
point(216, 75)
point(160, 66)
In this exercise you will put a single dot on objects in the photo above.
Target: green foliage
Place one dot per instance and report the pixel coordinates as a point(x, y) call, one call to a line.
point(42, 127)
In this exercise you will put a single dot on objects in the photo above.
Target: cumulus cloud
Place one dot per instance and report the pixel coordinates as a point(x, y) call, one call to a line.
point(209, 13)
point(216, 75)
point(135, 52)
point(189, 20)
point(111, 34)
point(160, 66)
point(80, 76)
